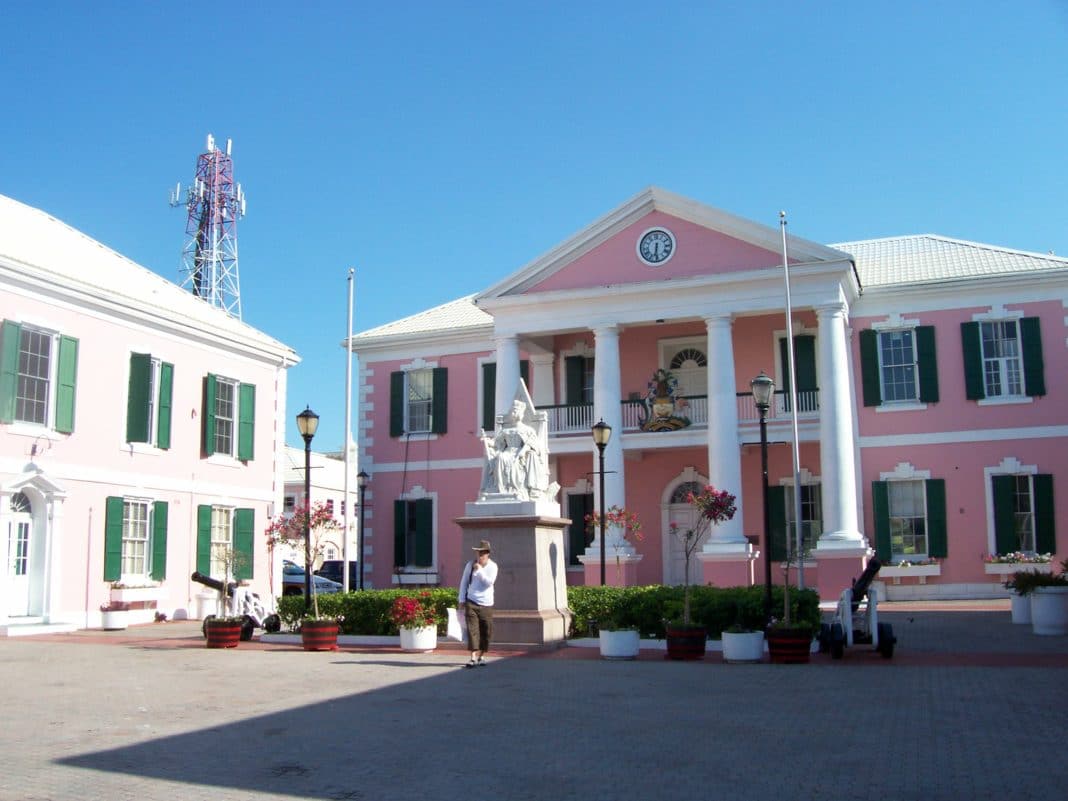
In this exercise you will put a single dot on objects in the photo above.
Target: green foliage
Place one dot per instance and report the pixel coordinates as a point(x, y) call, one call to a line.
point(715, 608)
point(364, 612)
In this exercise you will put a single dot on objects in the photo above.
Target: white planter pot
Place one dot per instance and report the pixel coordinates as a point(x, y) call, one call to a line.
point(619, 644)
point(745, 646)
point(423, 640)
point(1049, 610)
point(115, 620)
point(1021, 608)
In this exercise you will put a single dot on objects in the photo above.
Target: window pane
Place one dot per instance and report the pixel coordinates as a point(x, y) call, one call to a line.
point(898, 357)
point(224, 416)
point(35, 359)
point(908, 518)
point(1024, 514)
point(420, 396)
point(221, 539)
point(135, 538)
point(811, 515)
point(1001, 358)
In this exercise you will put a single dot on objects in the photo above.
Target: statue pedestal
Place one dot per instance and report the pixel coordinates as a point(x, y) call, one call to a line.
point(530, 595)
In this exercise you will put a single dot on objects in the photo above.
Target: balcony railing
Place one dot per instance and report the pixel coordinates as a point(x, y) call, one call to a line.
point(568, 419)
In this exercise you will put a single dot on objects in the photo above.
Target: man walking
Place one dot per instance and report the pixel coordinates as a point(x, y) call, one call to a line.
point(476, 601)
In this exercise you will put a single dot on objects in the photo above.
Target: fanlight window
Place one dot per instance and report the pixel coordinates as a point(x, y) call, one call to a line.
point(682, 491)
point(20, 503)
point(688, 358)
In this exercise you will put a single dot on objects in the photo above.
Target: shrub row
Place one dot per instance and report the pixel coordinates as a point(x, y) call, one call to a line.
point(644, 608)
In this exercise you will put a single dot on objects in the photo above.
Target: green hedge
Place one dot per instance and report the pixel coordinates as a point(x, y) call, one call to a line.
point(645, 608)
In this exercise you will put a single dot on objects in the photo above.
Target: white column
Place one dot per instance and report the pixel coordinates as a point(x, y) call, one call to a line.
point(606, 406)
point(507, 372)
point(542, 378)
point(837, 448)
point(724, 451)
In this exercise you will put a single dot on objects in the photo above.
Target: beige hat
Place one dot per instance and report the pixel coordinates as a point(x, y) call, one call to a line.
point(482, 546)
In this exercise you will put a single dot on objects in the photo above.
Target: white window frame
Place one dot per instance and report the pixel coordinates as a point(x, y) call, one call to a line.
point(129, 541)
point(1009, 369)
point(410, 419)
point(230, 451)
point(217, 567)
point(913, 365)
point(50, 380)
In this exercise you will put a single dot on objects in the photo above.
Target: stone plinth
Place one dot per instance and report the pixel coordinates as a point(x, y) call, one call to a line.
point(530, 595)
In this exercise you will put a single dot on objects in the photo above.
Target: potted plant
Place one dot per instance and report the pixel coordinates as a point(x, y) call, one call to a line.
point(317, 633)
point(626, 523)
point(418, 619)
point(1021, 584)
point(114, 615)
point(684, 639)
point(1049, 602)
point(742, 644)
point(225, 631)
point(617, 637)
point(788, 642)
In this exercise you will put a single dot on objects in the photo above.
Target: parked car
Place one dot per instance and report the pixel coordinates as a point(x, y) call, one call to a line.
point(293, 581)
point(331, 569)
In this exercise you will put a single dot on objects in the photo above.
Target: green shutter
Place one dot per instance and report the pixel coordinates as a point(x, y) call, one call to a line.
point(574, 378)
point(578, 506)
point(396, 404)
point(1031, 344)
point(244, 537)
point(1005, 540)
point(209, 415)
point(159, 540)
point(869, 367)
point(439, 403)
point(973, 361)
point(400, 522)
point(9, 365)
point(113, 508)
point(1045, 535)
point(166, 391)
point(204, 539)
point(138, 397)
point(489, 396)
point(424, 533)
point(927, 363)
point(66, 379)
point(937, 535)
point(777, 523)
point(880, 509)
point(246, 426)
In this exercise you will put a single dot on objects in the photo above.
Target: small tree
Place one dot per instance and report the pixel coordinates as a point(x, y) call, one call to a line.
point(629, 526)
point(712, 506)
point(290, 531)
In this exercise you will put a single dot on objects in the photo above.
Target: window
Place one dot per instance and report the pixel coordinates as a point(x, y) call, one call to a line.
point(413, 533)
point(898, 366)
point(1023, 513)
point(811, 516)
point(290, 503)
point(38, 369)
point(805, 370)
point(910, 518)
point(225, 533)
point(417, 401)
point(579, 535)
point(135, 539)
point(148, 401)
point(19, 536)
point(1003, 358)
point(330, 507)
point(229, 418)
point(489, 391)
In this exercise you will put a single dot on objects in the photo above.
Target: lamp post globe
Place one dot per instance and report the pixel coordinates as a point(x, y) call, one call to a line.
point(307, 424)
point(602, 432)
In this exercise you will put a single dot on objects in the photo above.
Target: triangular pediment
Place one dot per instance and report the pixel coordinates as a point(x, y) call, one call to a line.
point(706, 242)
point(36, 479)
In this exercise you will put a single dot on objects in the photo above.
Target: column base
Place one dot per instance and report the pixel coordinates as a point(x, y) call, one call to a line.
point(728, 567)
point(837, 569)
point(621, 571)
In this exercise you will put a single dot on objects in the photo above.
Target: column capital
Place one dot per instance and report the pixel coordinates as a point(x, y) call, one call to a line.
point(718, 319)
point(605, 330)
point(832, 310)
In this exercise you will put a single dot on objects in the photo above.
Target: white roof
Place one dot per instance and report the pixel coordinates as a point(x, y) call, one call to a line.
point(451, 316)
point(928, 258)
point(33, 243)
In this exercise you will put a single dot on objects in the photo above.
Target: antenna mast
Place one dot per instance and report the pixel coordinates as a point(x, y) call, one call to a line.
point(215, 203)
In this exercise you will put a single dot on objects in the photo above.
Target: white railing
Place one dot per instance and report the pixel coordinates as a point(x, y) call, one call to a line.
point(808, 406)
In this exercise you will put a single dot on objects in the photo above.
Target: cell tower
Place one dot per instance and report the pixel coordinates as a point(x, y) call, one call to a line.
point(214, 202)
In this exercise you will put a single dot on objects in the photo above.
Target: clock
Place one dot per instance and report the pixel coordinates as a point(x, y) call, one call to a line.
point(656, 246)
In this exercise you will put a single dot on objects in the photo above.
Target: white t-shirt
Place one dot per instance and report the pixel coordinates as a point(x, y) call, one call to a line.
point(477, 586)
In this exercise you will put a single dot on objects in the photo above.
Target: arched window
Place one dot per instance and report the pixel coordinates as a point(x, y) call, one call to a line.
point(688, 358)
point(20, 503)
point(681, 492)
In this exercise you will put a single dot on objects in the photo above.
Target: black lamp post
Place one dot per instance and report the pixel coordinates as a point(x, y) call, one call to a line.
point(602, 432)
point(763, 387)
point(361, 481)
point(307, 424)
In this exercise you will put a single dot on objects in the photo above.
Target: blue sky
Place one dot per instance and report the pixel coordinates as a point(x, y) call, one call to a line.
point(437, 147)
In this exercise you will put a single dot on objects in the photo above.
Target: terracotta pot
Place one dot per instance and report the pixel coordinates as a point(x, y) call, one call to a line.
point(319, 635)
point(222, 633)
point(789, 646)
point(685, 642)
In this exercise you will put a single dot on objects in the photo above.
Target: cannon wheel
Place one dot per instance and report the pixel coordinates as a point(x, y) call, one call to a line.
point(825, 637)
point(837, 641)
point(886, 640)
point(247, 627)
point(272, 624)
point(204, 625)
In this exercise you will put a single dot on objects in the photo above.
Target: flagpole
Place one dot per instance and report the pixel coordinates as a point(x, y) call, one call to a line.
point(348, 439)
point(798, 538)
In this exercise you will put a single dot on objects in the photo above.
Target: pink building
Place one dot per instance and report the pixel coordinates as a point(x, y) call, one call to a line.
point(930, 402)
point(141, 433)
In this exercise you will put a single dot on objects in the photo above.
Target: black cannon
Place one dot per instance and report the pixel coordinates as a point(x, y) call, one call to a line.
point(241, 602)
point(856, 619)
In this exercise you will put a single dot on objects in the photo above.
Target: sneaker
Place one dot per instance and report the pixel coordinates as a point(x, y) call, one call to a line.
point(472, 663)
point(482, 662)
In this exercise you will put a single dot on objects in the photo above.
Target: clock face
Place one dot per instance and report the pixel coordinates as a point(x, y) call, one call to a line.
point(656, 246)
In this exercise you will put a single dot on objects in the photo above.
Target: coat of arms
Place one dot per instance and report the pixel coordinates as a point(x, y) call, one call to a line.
point(664, 409)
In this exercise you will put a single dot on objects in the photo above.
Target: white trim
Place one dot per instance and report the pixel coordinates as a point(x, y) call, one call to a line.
point(979, 435)
point(904, 471)
point(1005, 400)
point(895, 322)
point(898, 406)
point(1010, 466)
point(997, 314)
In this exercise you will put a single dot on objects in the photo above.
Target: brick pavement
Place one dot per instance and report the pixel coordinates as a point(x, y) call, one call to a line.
point(151, 714)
